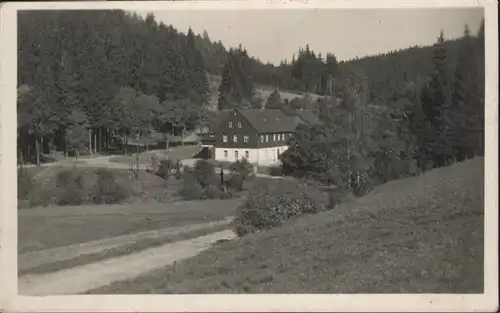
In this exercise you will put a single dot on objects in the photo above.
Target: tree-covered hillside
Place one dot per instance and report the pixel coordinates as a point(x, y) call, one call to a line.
point(88, 76)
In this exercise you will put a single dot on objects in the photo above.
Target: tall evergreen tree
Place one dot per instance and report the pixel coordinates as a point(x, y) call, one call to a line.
point(197, 73)
point(237, 86)
point(434, 104)
point(458, 127)
point(274, 100)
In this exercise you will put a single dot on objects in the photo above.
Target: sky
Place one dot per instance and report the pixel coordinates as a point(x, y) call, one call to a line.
point(275, 35)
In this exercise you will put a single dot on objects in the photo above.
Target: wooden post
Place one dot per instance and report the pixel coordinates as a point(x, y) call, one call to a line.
point(137, 158)
point(95, 142)
point(99, 134)
point(37, 152)
point(182, 135)
point(65, 148)
point(90, 141)
point(166, 144)
point(42, 150)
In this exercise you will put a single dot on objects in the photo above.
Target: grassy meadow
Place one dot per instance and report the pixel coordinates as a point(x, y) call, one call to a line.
point(416, 235)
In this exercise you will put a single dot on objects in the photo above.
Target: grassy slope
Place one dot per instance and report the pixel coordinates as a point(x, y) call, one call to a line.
point(423, 234)
point(148, 187)
point(59, 226)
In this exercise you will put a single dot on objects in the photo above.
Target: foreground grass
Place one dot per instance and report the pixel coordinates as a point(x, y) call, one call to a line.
point(423, 234)
point(60, 226)
point(122, 250)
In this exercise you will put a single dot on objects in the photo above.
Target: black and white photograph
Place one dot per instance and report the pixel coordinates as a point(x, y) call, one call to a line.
point(227, 151)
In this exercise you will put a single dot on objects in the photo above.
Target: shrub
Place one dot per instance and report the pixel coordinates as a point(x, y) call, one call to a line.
point(235, 182)
point(272, 203)
point(275, 171)
point(243, 168)
point(69, 188)
point(204, 173)
point(187, 171)
point(217, 192)
point(76, 186)
point(241, 229)
point(25, 184)
point(191, 190)
point(110, 188)
point(165, 168)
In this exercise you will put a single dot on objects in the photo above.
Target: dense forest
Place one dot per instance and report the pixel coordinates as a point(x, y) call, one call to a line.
point(397, 115)
point(87, 76)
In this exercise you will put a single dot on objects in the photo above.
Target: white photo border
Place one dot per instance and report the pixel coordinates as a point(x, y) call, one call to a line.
point(12, 302)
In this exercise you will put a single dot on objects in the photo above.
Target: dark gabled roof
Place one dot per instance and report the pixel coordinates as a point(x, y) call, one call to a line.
point(303, 116)
point(220, 116)
point(269, 121)
point(309, 117)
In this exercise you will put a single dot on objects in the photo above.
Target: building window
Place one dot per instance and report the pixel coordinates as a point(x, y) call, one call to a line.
point(230, 125)
point(261, 138)
point(235, 138)
point(247, 155)
point(274, 137)
point(239, 124)
point(236, 154)
point(225, 154)
point(245, 138)
point(224, 138)
point(267, 138)
point(279, 137)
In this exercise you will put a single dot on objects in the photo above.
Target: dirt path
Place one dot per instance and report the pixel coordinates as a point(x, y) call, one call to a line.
point(36, 258)
point(87, 277)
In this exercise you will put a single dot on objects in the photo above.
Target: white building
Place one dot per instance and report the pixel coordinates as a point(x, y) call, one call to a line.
point(260, 136)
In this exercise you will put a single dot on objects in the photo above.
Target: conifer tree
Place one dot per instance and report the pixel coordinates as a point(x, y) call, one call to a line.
point(457, 124)
point(274, 100)
point(236, 86)
point(434, 102)
point(197, 74)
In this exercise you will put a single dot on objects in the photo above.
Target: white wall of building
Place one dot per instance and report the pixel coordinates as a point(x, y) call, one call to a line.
point(263, 156)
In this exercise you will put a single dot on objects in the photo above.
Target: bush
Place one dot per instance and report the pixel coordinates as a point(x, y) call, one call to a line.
point(70, 188)
point(241, 229)
point(235, 182)
point(165, 168)
point(110, 188)
point(76, 186)
point(275, 171)
point(243, 168)
point(25, 185)
point(191, 190)
point(274, 202)
point(201, 182)
point(217, 192)
point(204, 173)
